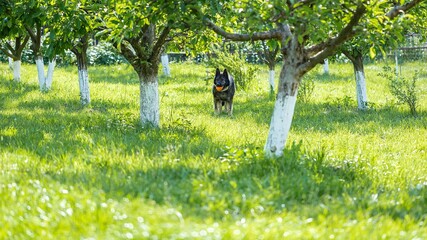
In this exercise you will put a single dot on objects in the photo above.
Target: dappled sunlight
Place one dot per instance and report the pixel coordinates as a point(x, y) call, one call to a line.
point(202, 175)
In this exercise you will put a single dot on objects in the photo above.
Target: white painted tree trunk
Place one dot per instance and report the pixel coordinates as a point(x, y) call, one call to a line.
point(84, 86)
point(149, 102)
point(271, 79)
point(165, 62)
point(16, 70)
point(396, 59)
point(10, 63)
point(280, 125)
point(326, 66)
point(40, 73)
point(362, 97)
point(49, 76)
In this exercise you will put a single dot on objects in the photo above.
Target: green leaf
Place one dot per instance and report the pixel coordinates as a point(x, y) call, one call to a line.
point(372, 52)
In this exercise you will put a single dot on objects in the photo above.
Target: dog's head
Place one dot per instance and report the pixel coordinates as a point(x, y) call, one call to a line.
point(221, 80)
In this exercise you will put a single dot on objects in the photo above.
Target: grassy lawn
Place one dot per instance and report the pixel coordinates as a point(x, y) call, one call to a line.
point(73, 172)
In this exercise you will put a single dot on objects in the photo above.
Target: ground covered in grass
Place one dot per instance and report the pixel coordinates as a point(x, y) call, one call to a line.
point(73, 172)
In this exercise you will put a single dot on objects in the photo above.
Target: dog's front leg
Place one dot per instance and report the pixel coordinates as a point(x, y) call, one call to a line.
point(229, 107)
point(217, 106)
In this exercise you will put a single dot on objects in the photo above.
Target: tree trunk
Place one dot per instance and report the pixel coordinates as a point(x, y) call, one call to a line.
point(165, 63)
point(271, 79)
point(326, 66)
point(17, 70)
point(40, 72)
point(10, 60)
point(50, 69)
point(149, 100)
point(357, 59)
point(83, 78)
point(283, 111)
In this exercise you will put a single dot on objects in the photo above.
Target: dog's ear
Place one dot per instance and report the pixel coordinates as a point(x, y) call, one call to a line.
point(225, 73)
point(217, 72)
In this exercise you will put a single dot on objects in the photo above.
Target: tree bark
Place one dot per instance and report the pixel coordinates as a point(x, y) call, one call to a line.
point(10, 60)
point(83, 78)
point(356, 57)
point(149, 100)
point(326, 66)
point(17, 70)
point(284, 107)
point(49, 76)
point(40, 72)
point(165, 64)
point(271, 79)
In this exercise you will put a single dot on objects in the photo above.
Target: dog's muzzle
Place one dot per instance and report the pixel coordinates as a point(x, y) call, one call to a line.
point(221, 88)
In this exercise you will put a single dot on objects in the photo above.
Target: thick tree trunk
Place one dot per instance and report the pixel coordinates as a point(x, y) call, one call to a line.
point(17, 70)
point(149, 100)
point(83, 78)
point(362, 97)
point(165, 63)
point(283, 111)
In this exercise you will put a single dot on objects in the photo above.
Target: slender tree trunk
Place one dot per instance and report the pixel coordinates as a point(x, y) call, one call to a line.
point(149, 100)
point(17, 70)
point(49, 76)
point(165, 63)
point(396, 59)
point(271, 73)
point(83, 78)
point(271, 79)
point(10, 60)
point(362, 97)
point(40, 72)
point(283, 112)
point(326, 66)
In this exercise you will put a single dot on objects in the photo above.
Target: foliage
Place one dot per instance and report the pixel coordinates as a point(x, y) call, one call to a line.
point(403, 89)
point(242, 72)
point(104, 54)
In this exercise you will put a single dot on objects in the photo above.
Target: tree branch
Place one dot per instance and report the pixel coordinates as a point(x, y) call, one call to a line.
point(273, 34)
point(159, 43)
point(324, 49)
point(22, 46)
point(31, 33)
point(348, 55)
point(6, 52)
point(402, 8)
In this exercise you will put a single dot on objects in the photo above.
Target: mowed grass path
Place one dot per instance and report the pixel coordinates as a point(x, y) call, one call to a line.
point(73, 172)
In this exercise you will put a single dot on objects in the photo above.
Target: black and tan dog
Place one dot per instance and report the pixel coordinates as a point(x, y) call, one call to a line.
point(223, 92)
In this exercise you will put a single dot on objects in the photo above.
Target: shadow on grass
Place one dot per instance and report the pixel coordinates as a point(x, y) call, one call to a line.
point(336, 115)
point(179, 166)
point(241, 184)
point(14, 90)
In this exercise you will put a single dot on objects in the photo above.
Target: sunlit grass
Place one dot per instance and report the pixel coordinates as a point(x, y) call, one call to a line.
point(73, 172)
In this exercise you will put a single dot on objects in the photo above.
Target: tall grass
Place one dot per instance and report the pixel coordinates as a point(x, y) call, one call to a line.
point(68, 172)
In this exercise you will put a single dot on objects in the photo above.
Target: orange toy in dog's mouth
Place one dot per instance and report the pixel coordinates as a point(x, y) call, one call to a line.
point(219, 88)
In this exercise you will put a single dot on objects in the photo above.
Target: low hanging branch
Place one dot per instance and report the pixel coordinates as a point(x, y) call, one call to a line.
point(273, 34)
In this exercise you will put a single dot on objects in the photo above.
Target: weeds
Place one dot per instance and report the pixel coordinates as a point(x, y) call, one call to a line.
point(243, 73)
point(403, 89)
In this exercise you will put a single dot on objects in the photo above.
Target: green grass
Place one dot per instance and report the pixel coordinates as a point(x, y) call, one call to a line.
point(68, 172)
